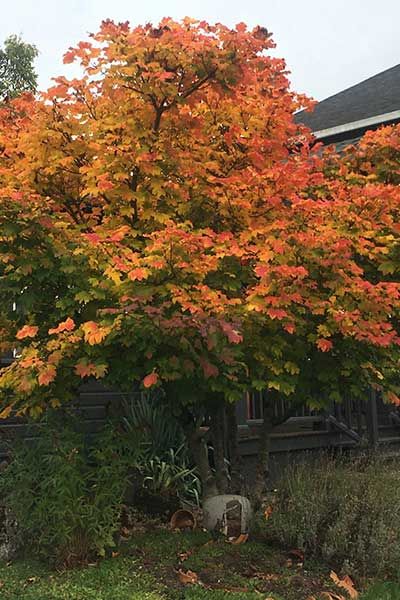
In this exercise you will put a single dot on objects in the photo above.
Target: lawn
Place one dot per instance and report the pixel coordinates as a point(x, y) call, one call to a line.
point(148, 565)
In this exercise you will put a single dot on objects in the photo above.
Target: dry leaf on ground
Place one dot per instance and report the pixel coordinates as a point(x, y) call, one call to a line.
point(188, 577)
point(346, 583)
point(331, 596)
point(266, 576)
point(241, 539)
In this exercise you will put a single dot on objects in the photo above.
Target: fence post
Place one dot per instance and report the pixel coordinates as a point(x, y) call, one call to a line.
point(373, 432)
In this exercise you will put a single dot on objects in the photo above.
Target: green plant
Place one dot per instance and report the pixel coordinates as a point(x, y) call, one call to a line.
point(172, 474)
point(66, 493)
point(164, 462)
point(345, 512)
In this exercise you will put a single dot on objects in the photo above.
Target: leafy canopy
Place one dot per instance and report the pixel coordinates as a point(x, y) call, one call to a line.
point(164, 220)
point(17, 71)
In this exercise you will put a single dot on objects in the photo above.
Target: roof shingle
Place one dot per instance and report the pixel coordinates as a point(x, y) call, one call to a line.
point(375, 96)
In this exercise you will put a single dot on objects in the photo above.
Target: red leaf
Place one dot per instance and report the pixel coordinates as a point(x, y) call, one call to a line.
point(69, 57)
point(209, 370)
point(150, 379)
point(324, 345)
point(261, 270)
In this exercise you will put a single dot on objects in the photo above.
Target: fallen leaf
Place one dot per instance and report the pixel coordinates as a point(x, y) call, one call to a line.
point(227, 588)
point(188, 577)
point(331, 596)
point(346, 583)
point(241, 539)
point(266, 576)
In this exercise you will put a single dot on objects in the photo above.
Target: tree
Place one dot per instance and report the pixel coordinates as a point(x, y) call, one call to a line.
point(17, 71)
point(164, 221)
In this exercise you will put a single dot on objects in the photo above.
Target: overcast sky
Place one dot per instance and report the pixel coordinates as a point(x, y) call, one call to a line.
point(328, 44)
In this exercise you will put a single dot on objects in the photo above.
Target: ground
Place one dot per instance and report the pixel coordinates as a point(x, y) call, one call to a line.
point(148, 565)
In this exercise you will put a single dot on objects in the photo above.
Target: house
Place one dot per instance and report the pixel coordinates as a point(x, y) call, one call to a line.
point(343, 118)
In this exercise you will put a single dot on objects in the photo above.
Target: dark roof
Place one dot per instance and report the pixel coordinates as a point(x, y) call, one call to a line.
point(375, 96)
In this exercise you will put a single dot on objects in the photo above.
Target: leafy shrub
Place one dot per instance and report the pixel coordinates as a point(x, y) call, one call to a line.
point(346, 513)
point(67, 494)
point(164, 463)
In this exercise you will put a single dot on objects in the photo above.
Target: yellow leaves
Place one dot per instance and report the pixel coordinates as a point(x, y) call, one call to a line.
point(93, 334)
point(323, 331)
point(27, 331)
point(5, 413)
point(291, 368)
point(113, 275)
point(89, 369)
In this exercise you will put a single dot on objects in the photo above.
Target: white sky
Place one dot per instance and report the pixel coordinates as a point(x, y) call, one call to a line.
point(328, 44)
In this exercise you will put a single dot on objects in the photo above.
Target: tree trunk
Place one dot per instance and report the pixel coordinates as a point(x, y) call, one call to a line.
point(262, 468)
point(236, 483)
point(218, 441)
point(198, 448)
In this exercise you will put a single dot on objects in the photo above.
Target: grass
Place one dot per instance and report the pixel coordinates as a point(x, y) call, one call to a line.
point(147, 569)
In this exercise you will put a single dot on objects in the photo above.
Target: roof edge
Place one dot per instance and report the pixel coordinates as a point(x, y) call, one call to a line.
point(375, 120)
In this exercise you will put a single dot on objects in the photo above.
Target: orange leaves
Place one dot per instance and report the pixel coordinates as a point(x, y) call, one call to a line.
point(222, 250)
point(138, 274)
point(67, 325)
point(27, 331)
point(47, 375)
point(93, 334)
point(150, 380)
